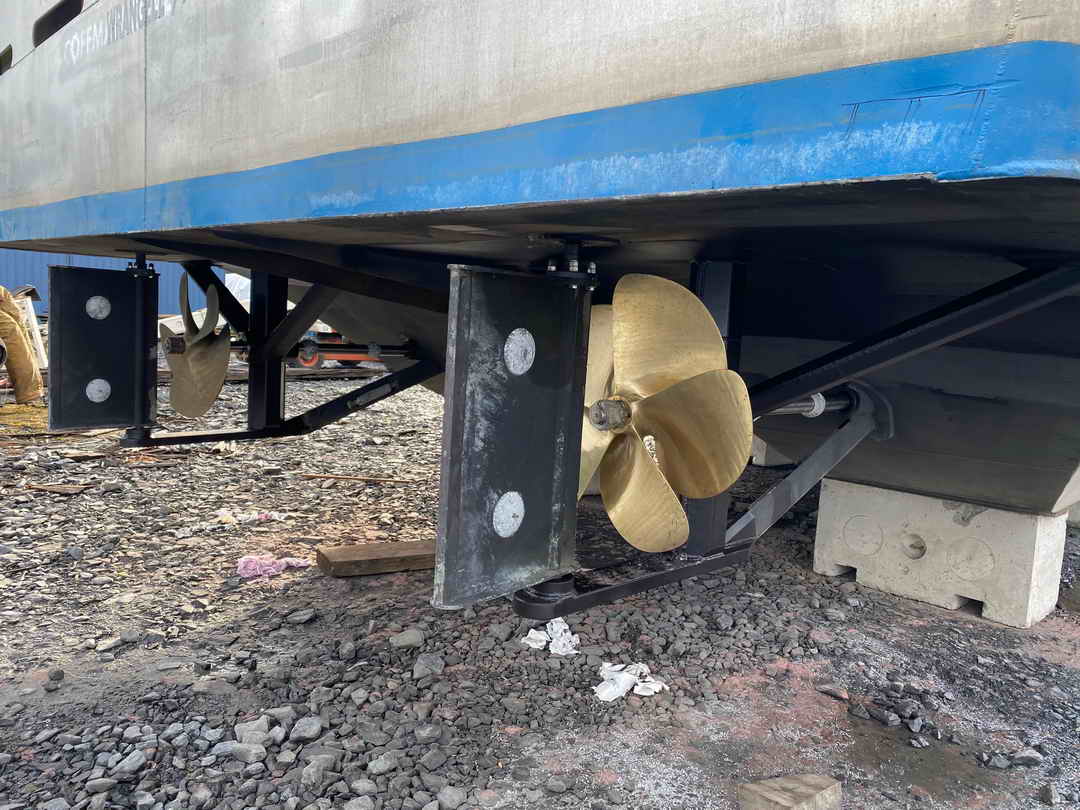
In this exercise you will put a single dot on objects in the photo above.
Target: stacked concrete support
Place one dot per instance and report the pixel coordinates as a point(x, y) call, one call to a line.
point(942, 552)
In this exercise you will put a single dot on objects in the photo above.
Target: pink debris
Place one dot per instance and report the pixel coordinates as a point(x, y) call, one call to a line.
point(267, 565)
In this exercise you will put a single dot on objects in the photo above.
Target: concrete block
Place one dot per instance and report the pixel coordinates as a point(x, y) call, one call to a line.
point(804, 791)
point(942, 552)
point(1074, 516)
point(765, 456)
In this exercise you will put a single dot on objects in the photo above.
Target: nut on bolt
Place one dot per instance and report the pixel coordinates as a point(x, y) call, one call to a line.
point(609, 414)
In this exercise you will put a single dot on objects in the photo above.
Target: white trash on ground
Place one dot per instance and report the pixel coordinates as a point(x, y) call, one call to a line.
point(557, 634)
point(537, 639)
point(618, 679)
point(227, 517)
point(267, 565)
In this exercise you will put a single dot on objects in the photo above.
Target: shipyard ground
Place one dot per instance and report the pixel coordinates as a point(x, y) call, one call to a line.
point(129, 587)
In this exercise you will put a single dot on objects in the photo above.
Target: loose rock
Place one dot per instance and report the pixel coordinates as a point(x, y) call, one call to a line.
point(408, 638)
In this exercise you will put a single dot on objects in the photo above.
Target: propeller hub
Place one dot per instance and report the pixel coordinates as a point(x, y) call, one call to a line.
point(610, 414)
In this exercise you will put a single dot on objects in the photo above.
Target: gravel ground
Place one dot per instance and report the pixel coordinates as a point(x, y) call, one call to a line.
point(137, 669)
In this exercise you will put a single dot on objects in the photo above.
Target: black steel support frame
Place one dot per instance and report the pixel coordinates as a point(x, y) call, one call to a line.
point(998, 302)
point(302, 265)
point(271, 331)
point(266, 371)
point(514, 388)
point(1015, 295)
point(129, 378)
point(267, 330)
point(871, 417)
point(310, 420)
point(145, 344)
point(719, 285)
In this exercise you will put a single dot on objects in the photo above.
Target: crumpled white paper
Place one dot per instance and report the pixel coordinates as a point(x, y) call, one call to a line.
point(618, 679)
point(537, 639)
point(557, 634)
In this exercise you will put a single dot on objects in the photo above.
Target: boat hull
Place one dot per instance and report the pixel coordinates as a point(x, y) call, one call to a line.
point(863, 162)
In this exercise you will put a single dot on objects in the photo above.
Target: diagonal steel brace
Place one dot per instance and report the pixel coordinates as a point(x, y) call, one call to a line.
point(871, 417)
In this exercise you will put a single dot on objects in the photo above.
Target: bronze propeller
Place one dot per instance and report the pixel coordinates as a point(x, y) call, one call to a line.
point(198, 372)
point(657, 367)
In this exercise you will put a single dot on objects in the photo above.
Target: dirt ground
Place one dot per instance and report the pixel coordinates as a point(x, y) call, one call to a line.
point(129, 585)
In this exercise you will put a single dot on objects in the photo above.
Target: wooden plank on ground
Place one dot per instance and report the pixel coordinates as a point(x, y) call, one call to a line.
point(375, 558)
point(804, 791)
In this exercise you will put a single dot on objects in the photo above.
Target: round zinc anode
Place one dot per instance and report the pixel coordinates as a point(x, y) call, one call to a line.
point(98, 390)
point(509, 512)
point(519, 351)
point(98, 307)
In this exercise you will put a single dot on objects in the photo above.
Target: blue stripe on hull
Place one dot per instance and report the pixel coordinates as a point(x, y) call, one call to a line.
point(995, 112)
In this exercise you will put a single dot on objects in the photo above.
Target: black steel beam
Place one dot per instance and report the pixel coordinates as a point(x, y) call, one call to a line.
point(540, 607)
point(266, 371)
point(136, 439)
point(774, 504)
point(314, 272)
point(998, 302)
point(719, 286)
point(300, 318)
point(311, 251)
point(380, 389)
point(313, 419)
point(202, 273)
point(418, 270)
point(145, 340)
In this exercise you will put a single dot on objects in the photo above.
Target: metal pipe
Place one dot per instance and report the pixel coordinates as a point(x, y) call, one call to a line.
point(815, 405)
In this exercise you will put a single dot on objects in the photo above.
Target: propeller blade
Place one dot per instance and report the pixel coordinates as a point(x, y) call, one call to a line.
point(210, 315)
point(641, 505)
point(703, 428)
point(594, 443)
point(662, 334)
point(199, 374)
point(190, 328)
point(599, 366)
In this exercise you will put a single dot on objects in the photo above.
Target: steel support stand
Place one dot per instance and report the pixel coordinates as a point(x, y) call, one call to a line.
point(871, 417)
point(513, 393)
point(718, 285)
point(266, 368)
point(308, 421)
point(145, 343)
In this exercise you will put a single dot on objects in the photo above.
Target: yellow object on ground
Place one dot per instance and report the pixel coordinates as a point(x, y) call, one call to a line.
point(22, 366)
point(16, 419)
